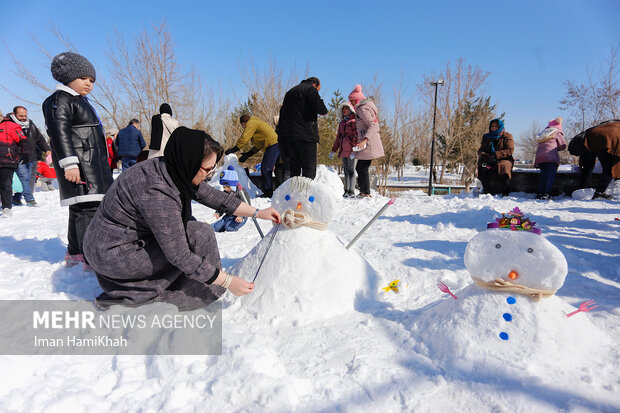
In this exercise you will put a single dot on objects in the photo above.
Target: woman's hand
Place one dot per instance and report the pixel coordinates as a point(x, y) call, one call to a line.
point(238, 219)
point(269, 214)
point(239, 286)
point(72, 175)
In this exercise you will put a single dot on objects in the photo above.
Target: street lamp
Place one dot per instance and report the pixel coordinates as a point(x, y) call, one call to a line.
point(430, 173)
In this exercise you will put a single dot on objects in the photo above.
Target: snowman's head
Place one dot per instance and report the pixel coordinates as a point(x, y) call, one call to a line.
point(305, 195)
point(520, 257)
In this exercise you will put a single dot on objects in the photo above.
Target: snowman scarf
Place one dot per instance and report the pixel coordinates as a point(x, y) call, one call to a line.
point(507, 287)
point(295, 219)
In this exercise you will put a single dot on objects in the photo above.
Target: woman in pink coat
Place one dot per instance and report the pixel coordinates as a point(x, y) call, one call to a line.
point(346, 139)
point(550, 143)
point(369, 144)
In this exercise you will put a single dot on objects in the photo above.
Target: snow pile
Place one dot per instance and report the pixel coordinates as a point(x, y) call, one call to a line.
point(244, 180)
point(486, 334)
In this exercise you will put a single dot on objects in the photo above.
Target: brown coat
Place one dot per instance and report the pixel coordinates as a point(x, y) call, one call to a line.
point(605, 137)
point(504, 149)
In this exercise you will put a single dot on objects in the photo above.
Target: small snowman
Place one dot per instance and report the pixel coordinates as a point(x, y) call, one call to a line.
point(307, 273)
point(509, 319)
point(232, 161)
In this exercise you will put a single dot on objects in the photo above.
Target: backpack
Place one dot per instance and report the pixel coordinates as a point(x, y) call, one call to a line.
point(576, 145)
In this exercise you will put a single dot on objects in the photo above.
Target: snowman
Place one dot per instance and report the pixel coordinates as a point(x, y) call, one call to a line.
point(232, 161)
point(307, 271)
point(509, 321)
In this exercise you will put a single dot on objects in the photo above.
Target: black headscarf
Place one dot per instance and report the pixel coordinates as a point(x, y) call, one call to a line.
point(183, 154)
point(165, 108)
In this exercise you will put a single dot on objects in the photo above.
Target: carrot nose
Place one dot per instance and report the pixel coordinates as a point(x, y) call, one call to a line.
point(513, 275)
point(298, 205)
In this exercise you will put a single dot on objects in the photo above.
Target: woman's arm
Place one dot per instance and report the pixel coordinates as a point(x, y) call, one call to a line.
point(269, 214)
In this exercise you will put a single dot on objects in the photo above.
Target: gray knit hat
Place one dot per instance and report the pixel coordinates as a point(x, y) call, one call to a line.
point(68, 66)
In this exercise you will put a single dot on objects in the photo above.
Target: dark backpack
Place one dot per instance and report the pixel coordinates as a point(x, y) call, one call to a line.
point(576, 146)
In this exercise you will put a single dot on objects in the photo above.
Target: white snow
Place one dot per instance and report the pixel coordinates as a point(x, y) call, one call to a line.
point(419, 350)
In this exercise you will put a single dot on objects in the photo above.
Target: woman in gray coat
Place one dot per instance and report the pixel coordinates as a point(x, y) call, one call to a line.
point(143, 243)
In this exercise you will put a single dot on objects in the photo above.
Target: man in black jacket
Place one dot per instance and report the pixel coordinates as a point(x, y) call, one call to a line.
point(298, 132)
point(27, 171)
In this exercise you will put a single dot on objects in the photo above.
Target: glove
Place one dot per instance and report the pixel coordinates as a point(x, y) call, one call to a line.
point(487, 158)
point(244, 156)
point(231, 150)
point(331, 155)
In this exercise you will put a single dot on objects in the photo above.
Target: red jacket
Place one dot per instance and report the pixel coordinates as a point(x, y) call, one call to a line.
point(346, 138)
point(112, 153)
point(13, 144)
point(45, 170)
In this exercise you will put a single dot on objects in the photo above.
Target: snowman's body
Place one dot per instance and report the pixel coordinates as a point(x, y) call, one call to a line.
point(504, 330)
point(307, 271)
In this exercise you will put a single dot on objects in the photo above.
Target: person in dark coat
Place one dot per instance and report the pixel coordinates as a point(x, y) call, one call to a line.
point(27, 172)
point(79, 151)
point(298, 132)
point(143, 242)
point(130, 144)
point(602, 142)
point(495, 158)
point(14, 148)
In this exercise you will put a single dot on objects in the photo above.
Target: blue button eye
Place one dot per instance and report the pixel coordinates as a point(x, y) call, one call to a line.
point(288, 197)
point(311, 199)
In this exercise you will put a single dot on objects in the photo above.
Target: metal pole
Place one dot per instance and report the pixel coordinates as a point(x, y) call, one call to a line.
point(267, 250)
point(359, 234)
point(240, 189)
point(430, 173)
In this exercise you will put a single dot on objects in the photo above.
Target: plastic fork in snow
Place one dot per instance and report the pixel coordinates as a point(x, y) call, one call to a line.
point(444, 288)
point(585, 307)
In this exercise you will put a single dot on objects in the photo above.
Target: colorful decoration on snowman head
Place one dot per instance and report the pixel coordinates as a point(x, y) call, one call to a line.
point(515, 221)
point(519, 261)
point(304, 202)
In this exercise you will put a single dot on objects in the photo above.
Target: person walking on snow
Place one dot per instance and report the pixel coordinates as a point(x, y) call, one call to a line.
point(369, 144)
point(27, 171)
point(14, 148)
point(298, 131)
point(550, 143)
point(162, 126)
point(130, 143)
point(346, 139)
point(79, 151)
point(263, 137)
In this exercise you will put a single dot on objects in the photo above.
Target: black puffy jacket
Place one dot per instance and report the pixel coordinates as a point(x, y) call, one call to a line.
point(298, 115)
point(77, 137)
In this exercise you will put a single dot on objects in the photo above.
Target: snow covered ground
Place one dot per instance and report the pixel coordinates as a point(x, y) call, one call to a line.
point(384, 355)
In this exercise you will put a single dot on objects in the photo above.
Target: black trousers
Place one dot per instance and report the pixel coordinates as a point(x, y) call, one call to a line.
point(588, 160)
point(80, 216)
point(6, 186)
point(300, 157)
point(363, 179)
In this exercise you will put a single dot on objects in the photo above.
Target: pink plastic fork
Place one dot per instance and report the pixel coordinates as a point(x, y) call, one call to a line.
point(444, 288)
point(585, 306)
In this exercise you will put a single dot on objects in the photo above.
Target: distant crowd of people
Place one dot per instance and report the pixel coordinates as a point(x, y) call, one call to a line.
point(137, 232)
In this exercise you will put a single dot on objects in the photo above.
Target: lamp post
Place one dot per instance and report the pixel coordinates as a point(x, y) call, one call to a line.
point(430, 173)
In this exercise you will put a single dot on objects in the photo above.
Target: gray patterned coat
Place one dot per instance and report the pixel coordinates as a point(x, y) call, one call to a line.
point(138, 246)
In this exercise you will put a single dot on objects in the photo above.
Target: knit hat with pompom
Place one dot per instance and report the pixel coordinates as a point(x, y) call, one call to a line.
point(357, 94)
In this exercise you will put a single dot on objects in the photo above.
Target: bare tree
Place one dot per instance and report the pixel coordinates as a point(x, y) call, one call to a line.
point(142, 75)
point(527, 143)
point(595, 100)
point(463, 83)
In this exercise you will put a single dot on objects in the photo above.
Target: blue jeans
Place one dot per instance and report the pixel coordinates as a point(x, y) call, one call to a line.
point(23, 172)
point(227, 223)
point(548, 172)
point(266, 168)
point(128, 161)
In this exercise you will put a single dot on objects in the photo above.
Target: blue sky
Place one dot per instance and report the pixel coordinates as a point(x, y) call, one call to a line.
point(529, 47)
